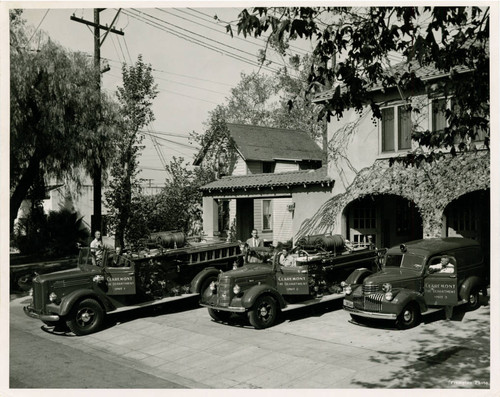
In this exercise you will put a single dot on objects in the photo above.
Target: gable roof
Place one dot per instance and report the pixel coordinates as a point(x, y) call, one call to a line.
point(256, 181)
point(425, 73)
point(256, 143)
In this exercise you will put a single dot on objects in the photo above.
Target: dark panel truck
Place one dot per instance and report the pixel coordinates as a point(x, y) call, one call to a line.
point(414, 280)
point(80, 298)
point(310, 274)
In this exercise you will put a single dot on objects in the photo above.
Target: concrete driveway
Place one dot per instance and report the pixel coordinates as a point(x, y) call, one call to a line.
point(314, 348)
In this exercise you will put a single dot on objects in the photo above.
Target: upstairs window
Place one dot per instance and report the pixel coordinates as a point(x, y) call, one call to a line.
point(439, 121)
point(396, 129)
point(268, 167)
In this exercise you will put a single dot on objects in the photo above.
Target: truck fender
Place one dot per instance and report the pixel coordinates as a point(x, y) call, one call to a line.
point(251, 295)
point(405, 296)
point(468, 285)
point(200, 278)
point(358, 275)
point(69, 300)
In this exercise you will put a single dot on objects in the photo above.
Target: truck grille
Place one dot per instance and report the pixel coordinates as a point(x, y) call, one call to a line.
point(370, 289)
point(37, 295)
point(224, 291)
point(371, 303)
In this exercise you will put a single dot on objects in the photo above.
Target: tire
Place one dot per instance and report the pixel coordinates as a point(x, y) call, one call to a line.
point(219, 315)
point(264, 312)
point(87, 317)
point(473, 300)
point(409, 316)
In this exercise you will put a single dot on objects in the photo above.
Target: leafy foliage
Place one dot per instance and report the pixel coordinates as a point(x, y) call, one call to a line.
point(53, 115)
point(54, 235)
point(177, 207)
point(136, 99)
point(352, 48)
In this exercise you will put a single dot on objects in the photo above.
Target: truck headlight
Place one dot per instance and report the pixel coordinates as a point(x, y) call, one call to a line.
point(386, 287)
point(236, 289)
point(389, 296)
point(343, 284)
point(52, 297)
point(348, 290)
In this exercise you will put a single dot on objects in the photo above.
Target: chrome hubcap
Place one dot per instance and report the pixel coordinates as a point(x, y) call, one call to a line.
point(407, 315)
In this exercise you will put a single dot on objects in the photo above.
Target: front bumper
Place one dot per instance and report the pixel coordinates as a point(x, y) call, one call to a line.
point(30, 312)
point(224, 309)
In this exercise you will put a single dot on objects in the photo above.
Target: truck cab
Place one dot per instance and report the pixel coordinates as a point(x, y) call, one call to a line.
point(262, 290)
point(417, 277)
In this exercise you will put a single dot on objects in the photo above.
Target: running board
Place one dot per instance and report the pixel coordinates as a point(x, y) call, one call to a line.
point(309, 302)
point(152, 303)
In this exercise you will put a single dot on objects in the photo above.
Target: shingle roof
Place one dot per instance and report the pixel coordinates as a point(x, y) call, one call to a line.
point(254, 181)
point(268, 144)
point(428, 72)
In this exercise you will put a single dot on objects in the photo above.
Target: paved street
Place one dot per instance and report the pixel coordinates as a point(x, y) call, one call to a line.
point(310, 348)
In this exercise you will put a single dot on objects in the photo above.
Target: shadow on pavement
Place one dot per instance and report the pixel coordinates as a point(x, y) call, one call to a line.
point(445, 357)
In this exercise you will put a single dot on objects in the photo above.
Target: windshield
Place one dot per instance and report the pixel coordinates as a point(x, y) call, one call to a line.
point(406, 261)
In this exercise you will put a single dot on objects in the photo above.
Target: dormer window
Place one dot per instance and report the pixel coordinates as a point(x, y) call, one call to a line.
point(396, 129)
point(268, 167)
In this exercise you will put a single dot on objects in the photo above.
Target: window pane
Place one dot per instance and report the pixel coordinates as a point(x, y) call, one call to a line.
point(404, 128)
point(267, 215)
point(388, 130)
point(438, 114)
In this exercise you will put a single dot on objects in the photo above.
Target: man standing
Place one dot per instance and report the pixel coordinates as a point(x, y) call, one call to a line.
point(254, 242)
point(96, 248)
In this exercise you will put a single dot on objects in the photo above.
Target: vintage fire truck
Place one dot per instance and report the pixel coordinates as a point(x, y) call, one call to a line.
point(309, 274)
point(158, 273)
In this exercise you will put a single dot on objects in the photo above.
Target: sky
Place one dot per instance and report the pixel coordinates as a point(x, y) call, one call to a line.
point(195, 64)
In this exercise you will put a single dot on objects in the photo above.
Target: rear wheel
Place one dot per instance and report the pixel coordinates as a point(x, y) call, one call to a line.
point(219, 315)
point(409, 317)
point(87, 317)
point(264, 313)
point(473, 301)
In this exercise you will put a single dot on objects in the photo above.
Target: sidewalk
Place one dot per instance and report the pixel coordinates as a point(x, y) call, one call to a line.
point(310, 349)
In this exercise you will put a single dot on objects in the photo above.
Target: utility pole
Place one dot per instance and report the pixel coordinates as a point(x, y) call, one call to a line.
point(96, 220)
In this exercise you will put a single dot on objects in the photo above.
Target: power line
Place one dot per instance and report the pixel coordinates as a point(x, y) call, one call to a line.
point(297, 49)
point(200, 43)
point(36, 29)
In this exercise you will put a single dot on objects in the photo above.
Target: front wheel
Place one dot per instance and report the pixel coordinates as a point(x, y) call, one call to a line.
point(409, 317)
point(264, 313)
point(87, 317)
point(219, 315)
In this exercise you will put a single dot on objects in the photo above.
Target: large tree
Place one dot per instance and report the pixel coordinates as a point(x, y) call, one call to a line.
point(52, 120)
point(136, 99)
point(352, 48)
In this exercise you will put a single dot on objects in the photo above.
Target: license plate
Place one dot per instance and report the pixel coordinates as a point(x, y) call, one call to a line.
point(349, 304)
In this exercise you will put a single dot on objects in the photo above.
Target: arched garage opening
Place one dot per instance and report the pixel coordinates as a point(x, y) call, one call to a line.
point(388, 219)
point(469, 216)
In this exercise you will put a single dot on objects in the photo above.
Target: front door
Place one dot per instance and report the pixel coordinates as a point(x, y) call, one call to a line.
point(244, 218)
point(441, 287)
point(120, 275)
point(293, 280)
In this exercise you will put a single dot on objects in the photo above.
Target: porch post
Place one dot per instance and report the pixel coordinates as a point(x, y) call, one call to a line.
point(210, 216)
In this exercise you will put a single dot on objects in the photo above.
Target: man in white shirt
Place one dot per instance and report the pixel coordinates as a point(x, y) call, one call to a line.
point(96, 248)
point(254, 242)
